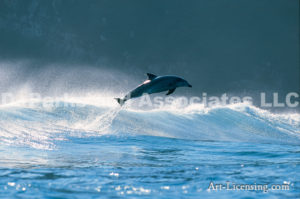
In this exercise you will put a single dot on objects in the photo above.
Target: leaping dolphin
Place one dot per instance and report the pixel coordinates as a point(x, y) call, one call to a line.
point(155, 84)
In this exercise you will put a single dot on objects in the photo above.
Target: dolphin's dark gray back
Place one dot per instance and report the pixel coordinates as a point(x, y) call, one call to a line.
point(155, 84)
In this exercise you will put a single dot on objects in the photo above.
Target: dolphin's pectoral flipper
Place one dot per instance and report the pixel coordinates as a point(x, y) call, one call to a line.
point(171, 91)
point(151, 76)
point(120, 101)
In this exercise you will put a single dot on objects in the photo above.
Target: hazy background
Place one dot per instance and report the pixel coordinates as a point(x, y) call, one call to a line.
point(233, 46)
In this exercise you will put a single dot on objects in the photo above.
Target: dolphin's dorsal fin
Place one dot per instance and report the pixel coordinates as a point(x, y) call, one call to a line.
point(151, 76)
point(171, 91)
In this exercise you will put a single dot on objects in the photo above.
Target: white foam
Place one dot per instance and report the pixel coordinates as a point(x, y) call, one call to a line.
point(39, 127)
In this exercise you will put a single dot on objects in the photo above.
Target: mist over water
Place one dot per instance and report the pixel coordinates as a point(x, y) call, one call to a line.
point(57, 79)
point(219, 46)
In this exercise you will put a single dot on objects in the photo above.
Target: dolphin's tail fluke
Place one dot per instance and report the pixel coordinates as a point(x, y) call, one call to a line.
point(120, 101)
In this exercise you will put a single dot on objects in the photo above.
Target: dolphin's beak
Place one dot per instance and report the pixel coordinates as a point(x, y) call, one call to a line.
point(189, 85)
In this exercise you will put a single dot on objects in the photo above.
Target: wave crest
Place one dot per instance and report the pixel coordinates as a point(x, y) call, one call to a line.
point(41, 128)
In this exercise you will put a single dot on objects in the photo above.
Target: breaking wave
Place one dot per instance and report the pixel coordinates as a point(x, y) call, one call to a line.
point(40, 127)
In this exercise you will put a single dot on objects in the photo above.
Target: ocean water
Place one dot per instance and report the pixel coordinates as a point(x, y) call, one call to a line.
point(100, 151)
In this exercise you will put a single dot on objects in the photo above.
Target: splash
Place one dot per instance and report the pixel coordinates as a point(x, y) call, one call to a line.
point(40, 127)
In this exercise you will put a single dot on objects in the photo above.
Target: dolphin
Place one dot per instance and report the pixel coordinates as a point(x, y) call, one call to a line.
point(155, 84)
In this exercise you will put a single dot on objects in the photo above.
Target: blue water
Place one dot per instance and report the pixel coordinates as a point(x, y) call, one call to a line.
point(109, 152)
